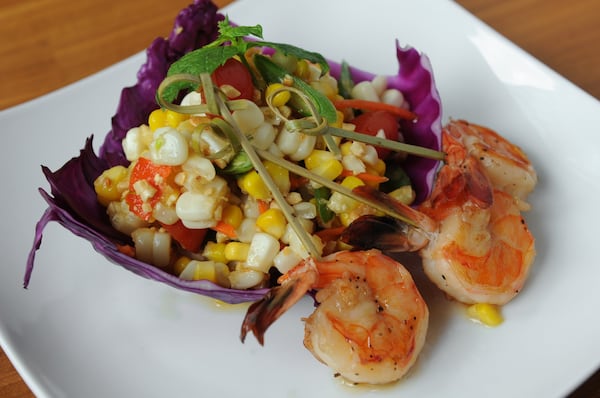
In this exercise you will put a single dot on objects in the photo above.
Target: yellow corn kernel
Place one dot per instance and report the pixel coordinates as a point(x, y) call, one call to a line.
point(340, 203)
point(236, 251)
point(352, 182)
point(488, 314)
point(107, 185)
point(180, 264)
point(273, 222)
point(377, 168)
point(324, 164)
point(280, 176)
point(173, 119)
point(330, 170)
point(340, 246)
point(215, 251)
point(279, 99)
point(253, 185)
point(157, 119)
point(339, 119)
point(302, 69)
point(206, 270)
point(317, 157)
point(346, 218)
point(405, 194)
point(345, 148)
point(232, 215)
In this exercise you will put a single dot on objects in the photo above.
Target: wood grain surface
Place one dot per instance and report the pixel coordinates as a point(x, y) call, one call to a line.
point(47, 44)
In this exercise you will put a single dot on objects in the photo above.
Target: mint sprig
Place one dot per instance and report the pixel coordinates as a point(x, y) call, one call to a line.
point(232, 41)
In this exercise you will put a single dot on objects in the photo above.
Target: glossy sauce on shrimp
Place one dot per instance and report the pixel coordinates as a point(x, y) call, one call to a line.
point(473, 241)
point(483, 249)
point(370, 323)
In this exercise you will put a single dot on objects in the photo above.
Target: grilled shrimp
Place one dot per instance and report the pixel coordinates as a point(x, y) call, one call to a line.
point(370, 323)
point(481, 249)
point(505, 164)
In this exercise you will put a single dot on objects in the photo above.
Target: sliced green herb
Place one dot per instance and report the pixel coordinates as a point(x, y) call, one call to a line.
point(232, 41)
point(297, 52)
point(273, 73)
point(397, 178)
point(322, 195)
point(197, 62)
point(345, 82)
point(240, 164)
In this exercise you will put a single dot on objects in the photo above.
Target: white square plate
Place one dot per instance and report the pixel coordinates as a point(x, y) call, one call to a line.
point(87, 328)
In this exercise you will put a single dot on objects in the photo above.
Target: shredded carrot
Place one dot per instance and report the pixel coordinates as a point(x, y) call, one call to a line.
point(374, 178)
point(297, 181)
point(128, 250)
point(330, 234)
point(374, 106)
point(262, 206)
point(225, 228)
point(365, 177)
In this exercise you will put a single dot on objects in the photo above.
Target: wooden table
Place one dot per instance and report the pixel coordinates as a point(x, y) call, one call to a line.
point(47, 44)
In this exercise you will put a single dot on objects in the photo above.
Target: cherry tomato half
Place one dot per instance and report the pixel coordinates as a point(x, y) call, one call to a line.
point(145, 170)
point(189, 239)
point(235, 74)
point(372, 122)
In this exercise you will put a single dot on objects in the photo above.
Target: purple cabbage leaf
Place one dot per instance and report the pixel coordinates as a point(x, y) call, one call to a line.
point(72, 201)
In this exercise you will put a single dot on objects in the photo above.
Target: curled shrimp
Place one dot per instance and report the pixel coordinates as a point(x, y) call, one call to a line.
point(370, 323)
point(481, 249)
point(506, 165)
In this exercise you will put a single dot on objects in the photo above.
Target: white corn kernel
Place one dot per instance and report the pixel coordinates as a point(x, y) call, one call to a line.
point(245, 278)
point(263, 248)
point(353, 163)
point(393, 97)
point(305, 148)
point(144, 190)
point(246, 230)
point(164, 214)
point(196, 209)
point(152, 246)
point(169, 147)
point(293, 198)
point(136, 142)
point(290, 233)
point(370, 155)
point(200, 166)
point(264, 136)
point(286, 259)
point(379, 84)
point(305, 210)
point(297, 245)
point(192, 98)
point(288, 141)
point(123, 219)
point(365, 91)
point(249, 117)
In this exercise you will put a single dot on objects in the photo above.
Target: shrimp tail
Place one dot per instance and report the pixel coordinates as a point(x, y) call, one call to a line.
point(465, 181)
point(384, 233)
point(264, 312)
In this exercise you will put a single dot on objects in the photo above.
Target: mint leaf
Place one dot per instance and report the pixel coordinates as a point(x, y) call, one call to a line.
point(202, 60)
point(272, 73)
point(229, 32)
point(298, 52)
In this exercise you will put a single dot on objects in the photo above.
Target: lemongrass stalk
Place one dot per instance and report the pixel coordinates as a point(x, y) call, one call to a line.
point(317, 127)
point(287, 210)
point(301, 171)
point(385, 143)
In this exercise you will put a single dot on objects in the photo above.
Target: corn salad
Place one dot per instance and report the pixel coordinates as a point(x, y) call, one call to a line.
point(191, 213)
